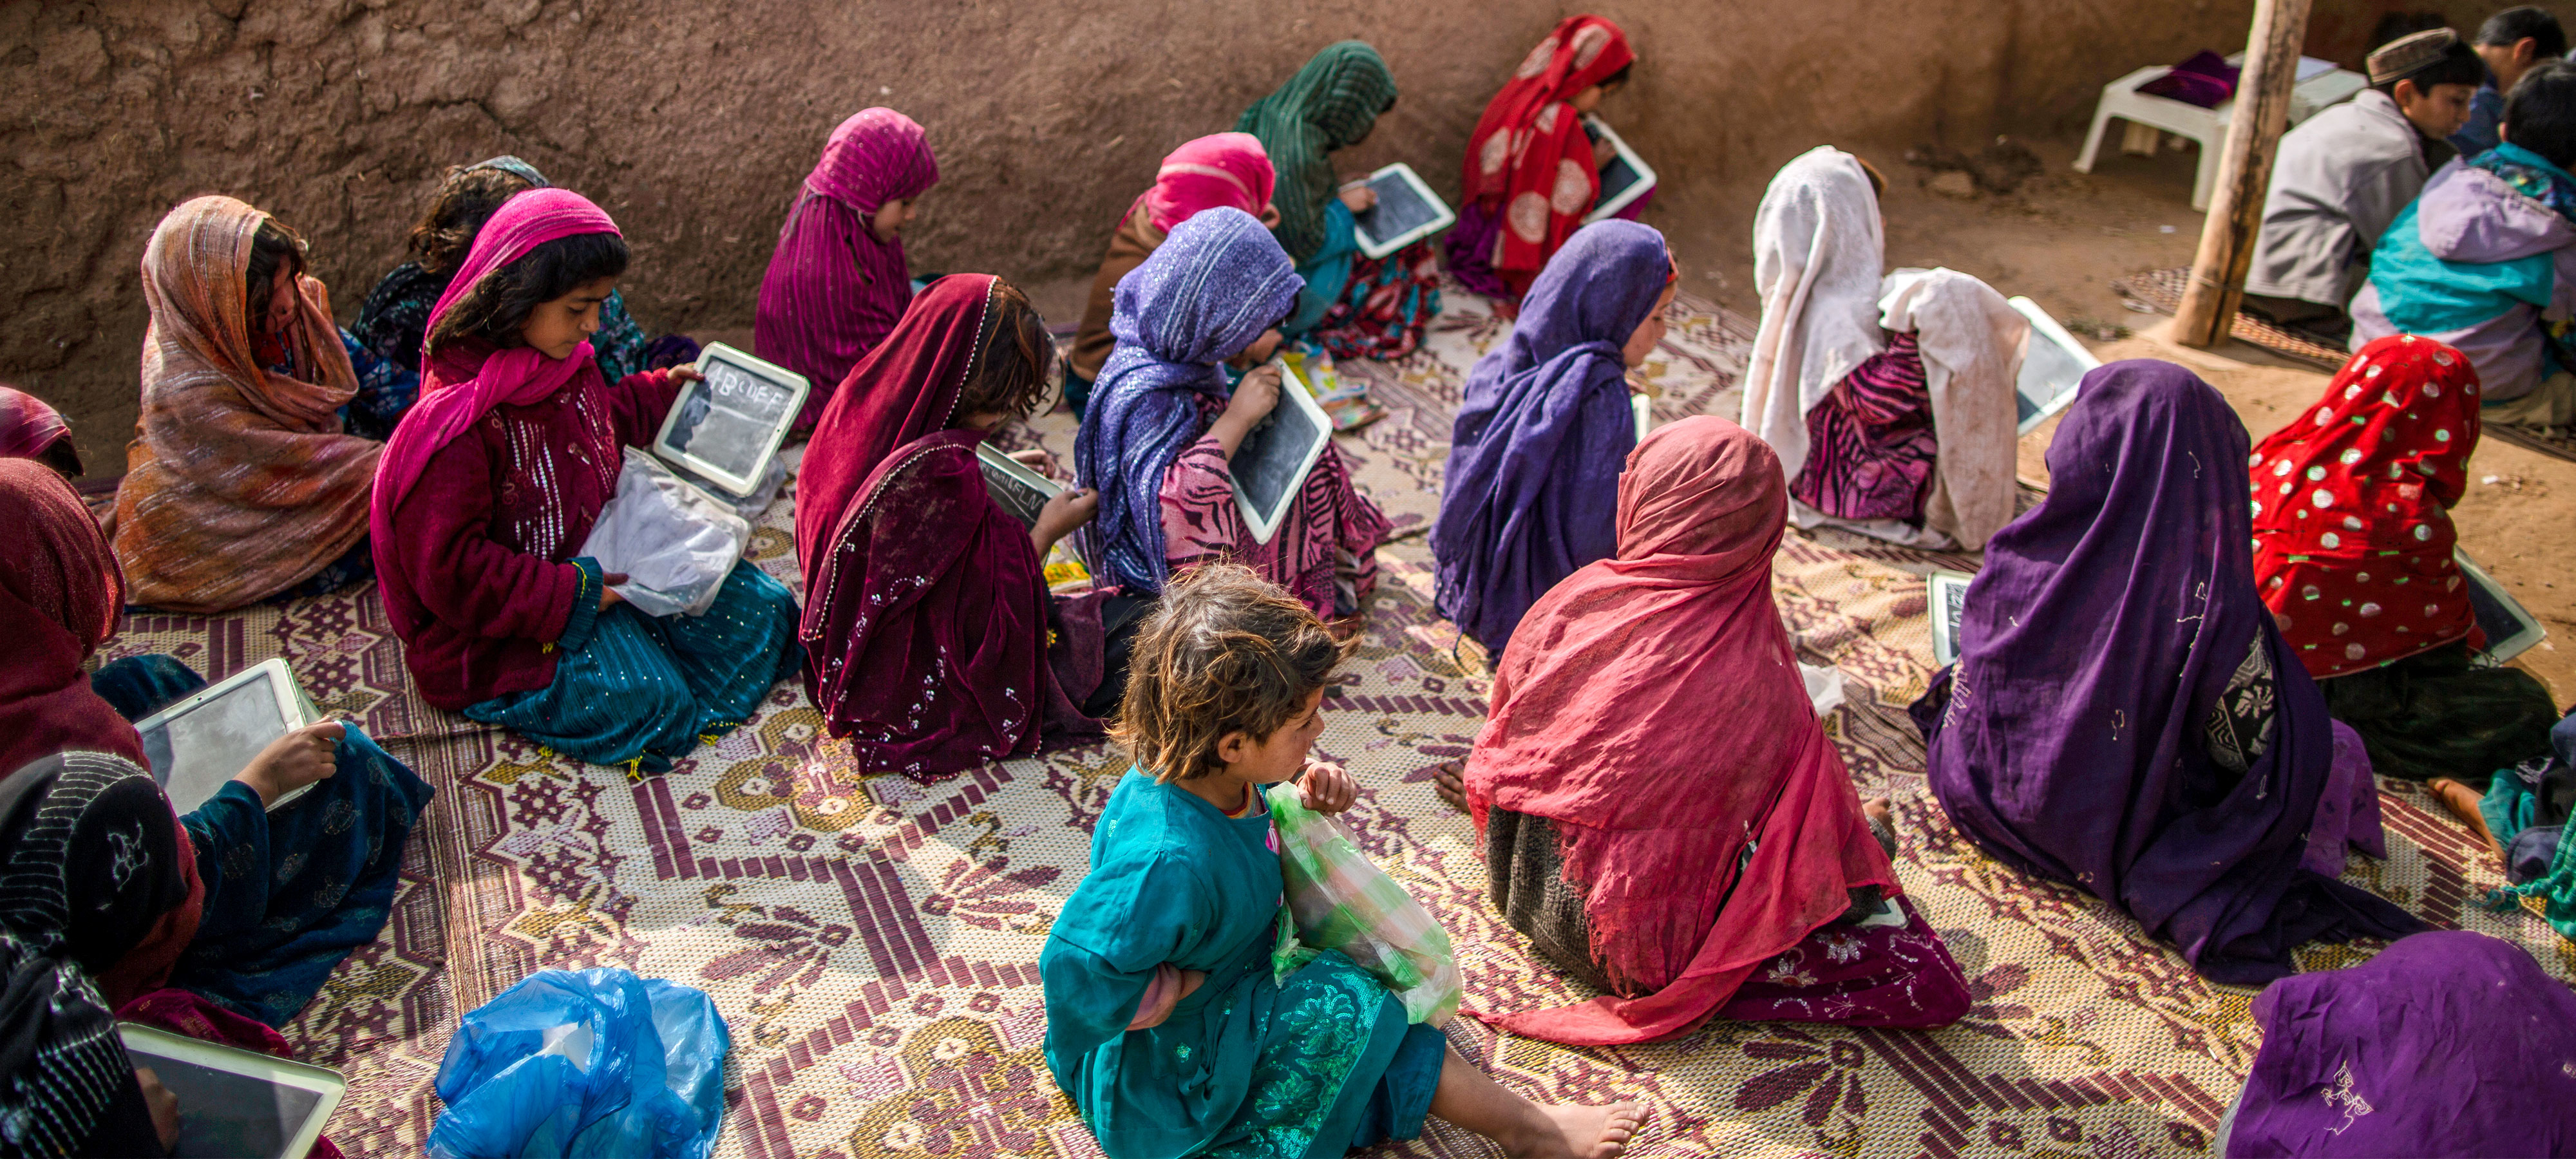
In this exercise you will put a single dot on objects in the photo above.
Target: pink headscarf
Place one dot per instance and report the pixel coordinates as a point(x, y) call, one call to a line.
point(461, 383)
point(27, 424)
point(877, 156)
point(1601, 724)
point(1221, 169)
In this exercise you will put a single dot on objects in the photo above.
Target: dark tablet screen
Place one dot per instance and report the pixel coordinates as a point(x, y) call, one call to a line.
point(1399, 210)
point(1270, 465)
point(226, 1114)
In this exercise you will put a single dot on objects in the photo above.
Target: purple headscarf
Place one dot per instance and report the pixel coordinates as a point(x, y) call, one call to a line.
point(1213, 286)
point(1532, 488)
point(2095, 644)
point(2447, 1043)
point(833, 290)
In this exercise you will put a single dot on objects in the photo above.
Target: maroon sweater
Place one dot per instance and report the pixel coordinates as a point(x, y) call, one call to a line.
point(485, 537)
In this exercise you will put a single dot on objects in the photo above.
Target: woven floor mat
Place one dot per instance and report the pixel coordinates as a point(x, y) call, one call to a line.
point(873, 943)
point(2162, 290)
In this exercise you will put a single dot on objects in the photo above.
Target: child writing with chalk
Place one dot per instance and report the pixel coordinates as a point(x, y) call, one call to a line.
point(1164, 1022)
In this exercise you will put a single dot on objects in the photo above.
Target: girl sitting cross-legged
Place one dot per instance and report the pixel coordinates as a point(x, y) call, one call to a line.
point(1164, 1022)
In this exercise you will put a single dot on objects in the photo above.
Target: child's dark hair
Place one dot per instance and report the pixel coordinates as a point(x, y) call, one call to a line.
point(2540, 113)
point(466, 199)
point(499, 305)
point(1016, 360)
point(1225, 652)
point(1614, 80)
point(2515, 25)
point(2459, 65)
point(272, 246)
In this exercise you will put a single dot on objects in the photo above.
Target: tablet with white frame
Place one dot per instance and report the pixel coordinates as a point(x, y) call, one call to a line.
point(1407, 211)
point(206, 738)
point(1947, 594)
point(2052, 366)
point(2511, 630)
point(236, 1102)
point(1270, 467)
point(1625, 179)
point(726, 427)
point(1019, 490)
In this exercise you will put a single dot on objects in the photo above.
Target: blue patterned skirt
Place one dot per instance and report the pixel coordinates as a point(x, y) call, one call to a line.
point(644, 690)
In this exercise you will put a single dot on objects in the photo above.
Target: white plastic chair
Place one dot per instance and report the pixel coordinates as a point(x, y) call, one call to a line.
point(2321, 84)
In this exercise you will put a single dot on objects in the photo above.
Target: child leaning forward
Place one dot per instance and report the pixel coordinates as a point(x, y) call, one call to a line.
point(1164, 1023)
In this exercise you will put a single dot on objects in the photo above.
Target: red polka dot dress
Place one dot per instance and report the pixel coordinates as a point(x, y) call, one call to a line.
point(2352, 524)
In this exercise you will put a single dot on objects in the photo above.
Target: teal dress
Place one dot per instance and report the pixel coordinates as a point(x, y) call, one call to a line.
point(1328, 273)
point(1312, 1066)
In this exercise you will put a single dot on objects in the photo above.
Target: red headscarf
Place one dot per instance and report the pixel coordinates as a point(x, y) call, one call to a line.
point(1529, 157)
point(460, 382)
point(2352, 499)
point(60, 595)
point(27, 425)
point(1602, 724)
point(1221, 169)
point(926, 616)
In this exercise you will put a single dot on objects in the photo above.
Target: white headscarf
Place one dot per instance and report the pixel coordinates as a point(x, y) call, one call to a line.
point(1818, 250)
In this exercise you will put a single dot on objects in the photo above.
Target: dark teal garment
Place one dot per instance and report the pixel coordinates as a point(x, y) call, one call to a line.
point(139, 686)
point(1245, 1065)
point(289, 893)
point(630, 687)
point(1328, 273)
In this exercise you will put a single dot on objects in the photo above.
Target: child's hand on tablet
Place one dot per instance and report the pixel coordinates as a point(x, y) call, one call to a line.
point(1359, 198)
point(163, 1104)
point(293, 761)
point(683, 375)
point(1327, 787)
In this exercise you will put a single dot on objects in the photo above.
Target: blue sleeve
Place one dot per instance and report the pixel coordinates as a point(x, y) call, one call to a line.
point(385, 392)
point(230, 832)
point(584, 619)
point(2486, 112)
point(1121, 922)
point(620, 343)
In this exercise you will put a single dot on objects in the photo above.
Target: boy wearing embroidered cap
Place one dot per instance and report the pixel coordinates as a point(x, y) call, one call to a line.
point(2346, 173)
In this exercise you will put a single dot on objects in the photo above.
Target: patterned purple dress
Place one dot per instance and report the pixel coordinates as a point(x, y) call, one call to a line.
point(1871, 441)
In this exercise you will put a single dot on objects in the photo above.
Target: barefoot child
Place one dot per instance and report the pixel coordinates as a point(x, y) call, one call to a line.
point(1164, 1022)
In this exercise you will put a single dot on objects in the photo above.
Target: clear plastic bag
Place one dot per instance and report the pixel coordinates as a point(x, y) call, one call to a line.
point(1339, 900)
point(675, 543)
point(584, 1063)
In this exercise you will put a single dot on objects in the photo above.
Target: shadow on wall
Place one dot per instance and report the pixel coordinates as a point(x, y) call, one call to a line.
point(693, 124)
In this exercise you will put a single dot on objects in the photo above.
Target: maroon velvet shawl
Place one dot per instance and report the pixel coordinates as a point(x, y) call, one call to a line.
point(927, 620)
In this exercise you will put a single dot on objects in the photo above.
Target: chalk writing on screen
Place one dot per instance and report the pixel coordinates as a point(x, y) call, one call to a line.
point(1020, 491)
point(728, 419)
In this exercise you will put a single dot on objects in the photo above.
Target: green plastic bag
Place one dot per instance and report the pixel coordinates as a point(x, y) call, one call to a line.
point(1338, 900)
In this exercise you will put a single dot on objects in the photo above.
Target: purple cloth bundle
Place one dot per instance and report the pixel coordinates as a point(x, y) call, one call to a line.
point(2206, 80)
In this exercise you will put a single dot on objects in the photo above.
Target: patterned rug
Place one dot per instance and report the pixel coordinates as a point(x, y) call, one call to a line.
point(873, 943)
point(2161, 291)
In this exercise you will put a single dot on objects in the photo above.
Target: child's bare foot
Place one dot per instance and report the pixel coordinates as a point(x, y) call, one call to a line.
point(1581, 1132)
point(1877, 809)
point(1451, 783)
point(2462, 801)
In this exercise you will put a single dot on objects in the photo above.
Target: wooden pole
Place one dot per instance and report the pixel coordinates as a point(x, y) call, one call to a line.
point(2262, 110)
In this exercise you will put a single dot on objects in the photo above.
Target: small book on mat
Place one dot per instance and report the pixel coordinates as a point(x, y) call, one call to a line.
point(205, 739)
point(1407, 211)
point(725, 429)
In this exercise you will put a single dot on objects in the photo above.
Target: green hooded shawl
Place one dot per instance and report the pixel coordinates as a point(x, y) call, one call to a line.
point(1330, 103)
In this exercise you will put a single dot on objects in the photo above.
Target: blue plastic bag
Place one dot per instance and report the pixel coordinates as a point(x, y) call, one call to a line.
point(584, 1063)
